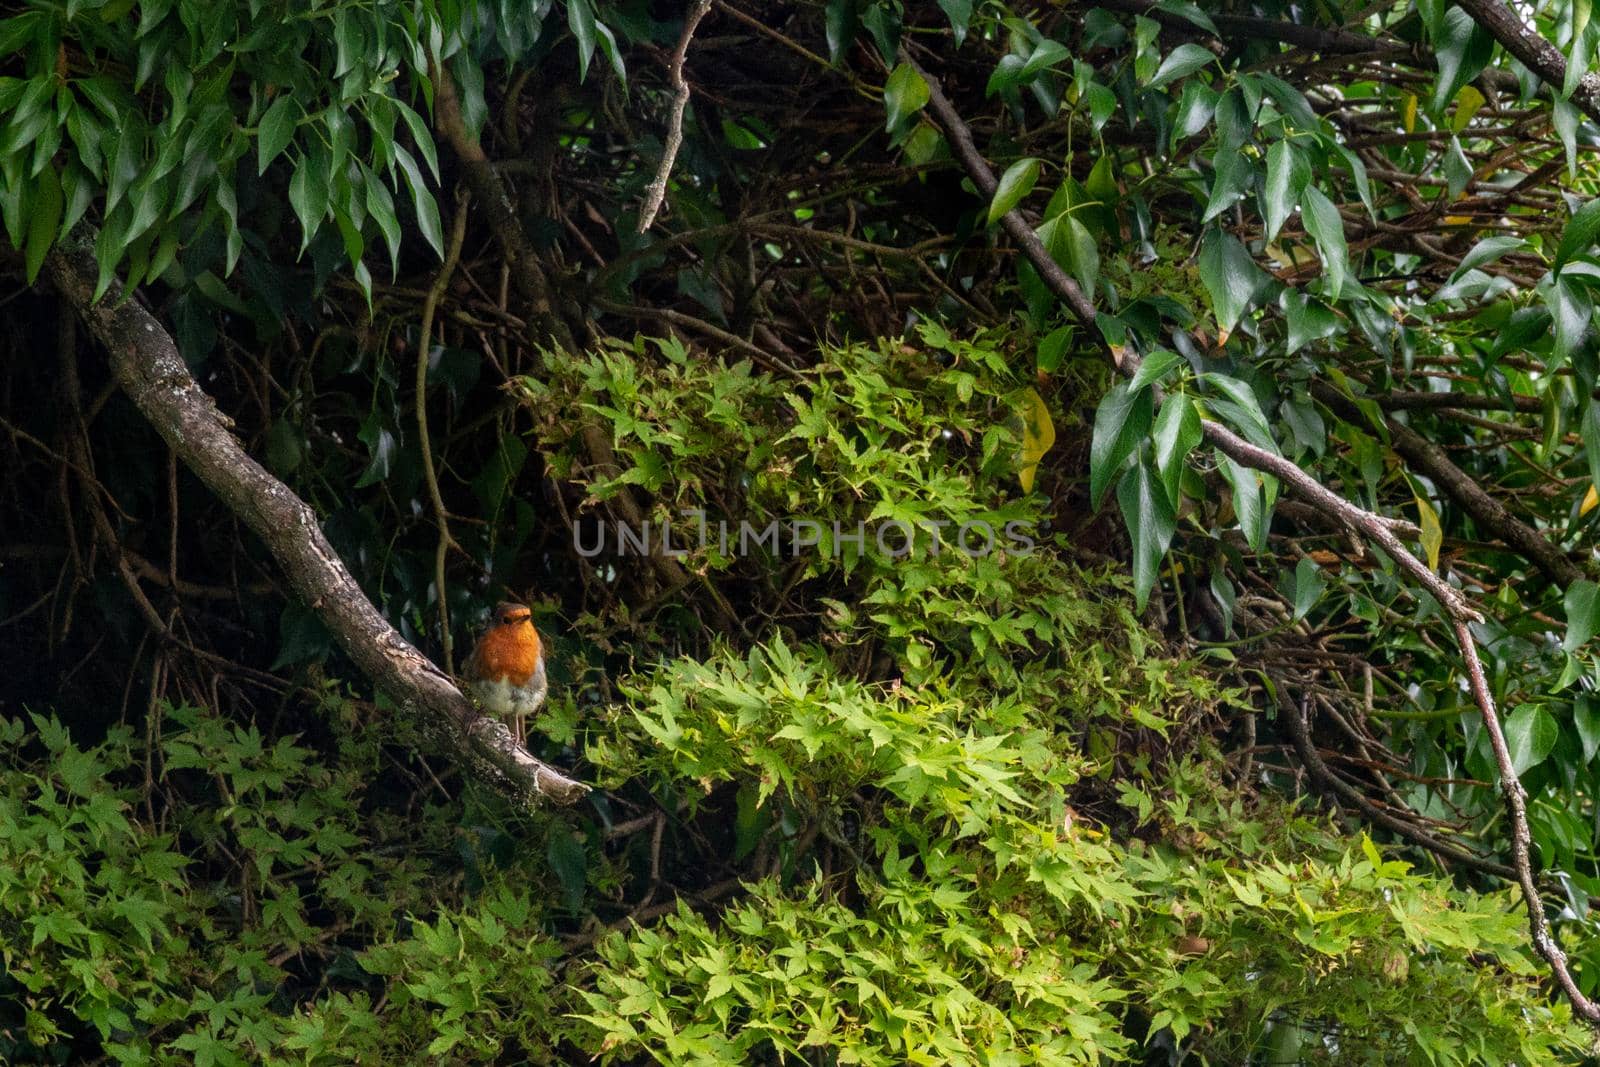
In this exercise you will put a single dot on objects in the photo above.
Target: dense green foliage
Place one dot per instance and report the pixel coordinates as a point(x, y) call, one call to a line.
point(916, 883)
point(861, 797)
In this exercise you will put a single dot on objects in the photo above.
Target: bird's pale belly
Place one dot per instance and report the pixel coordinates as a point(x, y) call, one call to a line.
point(502, 697)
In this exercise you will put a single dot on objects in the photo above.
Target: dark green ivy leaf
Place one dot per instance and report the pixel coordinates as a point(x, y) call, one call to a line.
point(904, 95)
point(580, 18)
point(381, 447)
point(1586, 716)
point(1191, 12)
point(1582, 602)
point(1308, 320)
point(1591, 439)
point(1154, 367)
point(567, 857)
point(883, 23)
point(1181, 62)
point(276, 130)
point(1531, 734)
point(1151, 521)
point(1571, 308)
point(302, 636)
point(1120, 425)
point(1463, 49)
point(1232, 278)
point(1287, 175)
point(1177, 432)
point(1016, 183)
point(1579, 234)
point(1327, 230)
point(1308, 586)
point(1249, 507)
point(1232, 176)
point(959, 12)
point(1487, 251)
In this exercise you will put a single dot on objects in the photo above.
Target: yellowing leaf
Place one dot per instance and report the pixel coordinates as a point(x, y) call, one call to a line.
point(1292, 257)
point(1432, 532)
point(1409, 113)
point(1468, 101)
point(1038, 434)
point(1590, 499)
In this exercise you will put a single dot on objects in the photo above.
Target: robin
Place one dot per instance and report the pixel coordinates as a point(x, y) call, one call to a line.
point(506, 668)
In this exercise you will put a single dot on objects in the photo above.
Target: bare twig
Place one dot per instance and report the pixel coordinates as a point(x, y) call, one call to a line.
point(678, 318)
point(1521, 837)
point(656, 192)
point(490, 192)
point(458, 235)
point(1294, 720)
point(709, 895)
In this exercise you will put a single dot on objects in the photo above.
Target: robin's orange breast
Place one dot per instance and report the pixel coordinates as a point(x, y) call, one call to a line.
point(509, 652)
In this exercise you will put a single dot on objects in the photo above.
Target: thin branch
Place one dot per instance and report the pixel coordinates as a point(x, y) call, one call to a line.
point(458, 235)
point(678, 318)
point(1248, 28)
point(78, 445)
point(656, 192)
point(1374, 526)
point(573, 943)
point(796, 47)
point(1521, 837)
point(1404, 401)
point(490, 192)
point(19, 434)
point(1294, 720)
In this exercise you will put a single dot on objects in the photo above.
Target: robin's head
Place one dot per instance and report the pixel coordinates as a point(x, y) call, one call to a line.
point(508, 613)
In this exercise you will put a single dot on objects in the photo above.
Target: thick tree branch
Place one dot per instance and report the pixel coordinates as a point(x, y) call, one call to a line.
point(1534, 52)
point(145, 362)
